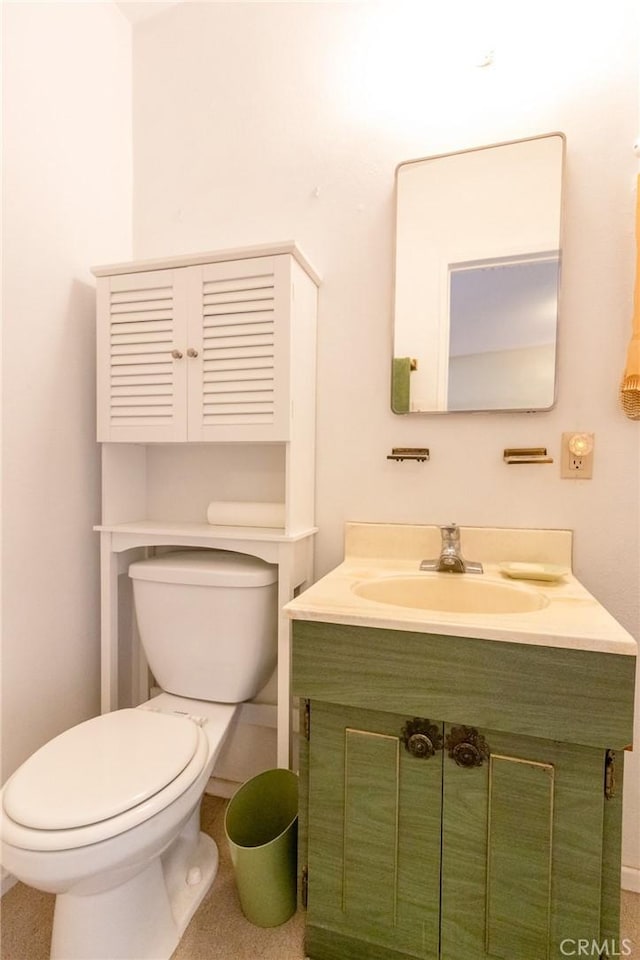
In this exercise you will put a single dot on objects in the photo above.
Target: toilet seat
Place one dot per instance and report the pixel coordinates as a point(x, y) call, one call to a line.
point(101, 778)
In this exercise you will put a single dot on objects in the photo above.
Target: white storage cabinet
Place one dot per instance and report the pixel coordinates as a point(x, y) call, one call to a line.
point(210, 350)
point(201, 351)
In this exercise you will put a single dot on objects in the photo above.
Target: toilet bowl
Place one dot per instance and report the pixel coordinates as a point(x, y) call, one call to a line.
point(148, 862)
point(106, 815)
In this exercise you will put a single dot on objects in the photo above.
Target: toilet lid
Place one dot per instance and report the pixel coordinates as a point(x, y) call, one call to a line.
point(100, 768)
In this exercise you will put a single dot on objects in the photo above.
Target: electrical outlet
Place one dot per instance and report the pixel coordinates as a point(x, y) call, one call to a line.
point(576, 462)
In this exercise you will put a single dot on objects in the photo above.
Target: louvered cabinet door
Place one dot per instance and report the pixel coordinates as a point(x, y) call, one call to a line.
point(142, 364)
point(239, 350)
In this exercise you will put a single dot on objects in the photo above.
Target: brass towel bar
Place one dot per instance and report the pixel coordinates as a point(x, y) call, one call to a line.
point(526, 455)
point(409, 453)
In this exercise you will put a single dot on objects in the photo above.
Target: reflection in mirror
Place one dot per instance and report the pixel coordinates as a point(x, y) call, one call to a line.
point(477, 275)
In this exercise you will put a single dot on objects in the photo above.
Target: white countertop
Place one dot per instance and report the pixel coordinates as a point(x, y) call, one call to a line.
point(572, 618)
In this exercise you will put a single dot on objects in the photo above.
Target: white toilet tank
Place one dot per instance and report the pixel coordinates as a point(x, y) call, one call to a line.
point(208, 622)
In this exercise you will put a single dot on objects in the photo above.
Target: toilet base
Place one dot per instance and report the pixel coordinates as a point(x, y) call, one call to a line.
point(145, 917)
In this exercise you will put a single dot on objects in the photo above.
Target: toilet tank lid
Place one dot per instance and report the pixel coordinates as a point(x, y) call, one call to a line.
point(216, 568)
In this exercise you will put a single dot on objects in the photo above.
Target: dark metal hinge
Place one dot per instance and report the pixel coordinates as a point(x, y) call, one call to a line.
point(307, 719)
point(304, 887)
point(610, 774)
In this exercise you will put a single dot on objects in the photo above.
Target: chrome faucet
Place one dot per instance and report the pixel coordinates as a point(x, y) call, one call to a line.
point(451, 559)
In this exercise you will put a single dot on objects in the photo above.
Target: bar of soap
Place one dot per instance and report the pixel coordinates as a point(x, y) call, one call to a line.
point(533, 571)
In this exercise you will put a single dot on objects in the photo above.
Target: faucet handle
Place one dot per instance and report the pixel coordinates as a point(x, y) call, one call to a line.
point(450, 531)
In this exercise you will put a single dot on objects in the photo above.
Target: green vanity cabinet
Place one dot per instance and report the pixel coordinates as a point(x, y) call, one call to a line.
point(457, 794)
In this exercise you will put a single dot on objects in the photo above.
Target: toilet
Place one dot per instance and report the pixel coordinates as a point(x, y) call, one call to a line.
point(107, 815)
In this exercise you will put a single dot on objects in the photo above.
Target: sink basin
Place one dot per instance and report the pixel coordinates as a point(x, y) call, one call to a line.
point(451, 593)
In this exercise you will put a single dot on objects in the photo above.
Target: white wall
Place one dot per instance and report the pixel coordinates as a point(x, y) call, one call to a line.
point(259, 121)
point(67, 204)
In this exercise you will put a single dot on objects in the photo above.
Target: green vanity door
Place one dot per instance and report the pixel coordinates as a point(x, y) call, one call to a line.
point(522, 847)
point(374, 827)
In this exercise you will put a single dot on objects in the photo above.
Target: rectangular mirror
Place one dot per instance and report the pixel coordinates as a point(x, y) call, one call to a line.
point(477, 275)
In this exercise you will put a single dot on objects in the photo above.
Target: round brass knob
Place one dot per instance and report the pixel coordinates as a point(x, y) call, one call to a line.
point(419, 745)
point(176, 354)
point(466, 755)
point(191, 352)
point(421, 738)
point(467, 747)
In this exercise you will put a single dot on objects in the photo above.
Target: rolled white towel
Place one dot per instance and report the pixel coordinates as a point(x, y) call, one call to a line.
point(240, 513)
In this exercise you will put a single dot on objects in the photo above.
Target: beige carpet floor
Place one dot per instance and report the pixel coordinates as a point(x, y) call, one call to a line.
point(218, 931)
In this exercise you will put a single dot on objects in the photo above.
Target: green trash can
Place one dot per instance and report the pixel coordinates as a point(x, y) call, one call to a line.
point(261, 825)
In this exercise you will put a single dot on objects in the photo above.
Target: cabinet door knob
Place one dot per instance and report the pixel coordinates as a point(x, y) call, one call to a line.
point(176, 354)
point(191, 352)
point(421, 738)
point(467, 747)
